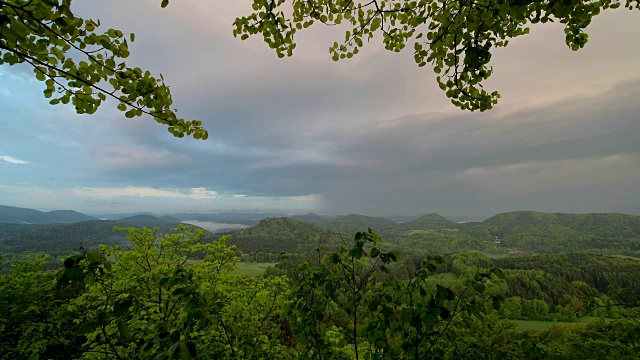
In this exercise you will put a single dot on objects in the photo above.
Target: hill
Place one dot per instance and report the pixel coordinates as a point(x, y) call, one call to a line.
point(45, 238)
point(429, 221)
point(170, 219)
point(400, 218)
point(275, 235)
point(20, 241)
point(17, 215)
point(227, 217)
point(21, 238)
point(147, 219)
point(123, 215)
point(560, 232)
point(351, 224)
point(311, 217)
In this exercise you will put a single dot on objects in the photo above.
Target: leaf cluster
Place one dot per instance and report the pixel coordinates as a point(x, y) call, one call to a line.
point(82, 65)
point(456, 37)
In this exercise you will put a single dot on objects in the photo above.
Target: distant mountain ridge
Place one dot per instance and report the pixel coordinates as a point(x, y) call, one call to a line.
point(530, 231)
point(144, 219)
point(400, 218)
point(17, 215)
point(51, 237)
point(311, 217)
point(170, 219)
point(226, 216)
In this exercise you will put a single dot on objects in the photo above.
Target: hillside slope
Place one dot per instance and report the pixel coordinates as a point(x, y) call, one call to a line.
point(311, 217)
point(558, 232)
point(21, 238)
point(429, 221)
point(351, 224)
point(275, 235)
point(17, 215)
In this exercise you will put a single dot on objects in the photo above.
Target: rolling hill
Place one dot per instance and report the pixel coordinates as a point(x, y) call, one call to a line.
point(311, 217)
point(17, 215)
point(351, 224)
point(275, 235)
point(20, 238)
point(560, 232)
point(520, 231)
point(429, 221)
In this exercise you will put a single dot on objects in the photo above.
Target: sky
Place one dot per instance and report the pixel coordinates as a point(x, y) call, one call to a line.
point(371, 135)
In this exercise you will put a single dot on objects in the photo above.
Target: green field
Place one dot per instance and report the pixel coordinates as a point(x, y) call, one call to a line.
point(537, 325)
point(253, 268)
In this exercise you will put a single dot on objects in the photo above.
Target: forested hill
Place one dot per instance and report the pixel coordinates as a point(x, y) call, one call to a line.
point(170, 219)
point(528, 231)
point(351, 224)
point(16, 215)
point(429, 221)
point(599, 224)
point(275, 235)
point(20, 238)
point(311, 217)
point(558, 232)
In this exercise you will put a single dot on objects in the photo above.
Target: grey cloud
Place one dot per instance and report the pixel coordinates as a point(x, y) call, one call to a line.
point(373, 135)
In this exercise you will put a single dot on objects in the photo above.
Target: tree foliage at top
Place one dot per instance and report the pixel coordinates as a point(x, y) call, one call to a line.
point(456, 37)
point(83, 65)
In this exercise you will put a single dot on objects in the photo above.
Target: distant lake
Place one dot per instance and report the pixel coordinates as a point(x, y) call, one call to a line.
point(215, 226)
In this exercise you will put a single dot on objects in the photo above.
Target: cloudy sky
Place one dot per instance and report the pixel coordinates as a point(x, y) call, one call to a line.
point(372, 135)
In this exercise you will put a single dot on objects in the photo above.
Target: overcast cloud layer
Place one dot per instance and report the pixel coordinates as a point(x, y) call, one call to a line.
point(373, 135)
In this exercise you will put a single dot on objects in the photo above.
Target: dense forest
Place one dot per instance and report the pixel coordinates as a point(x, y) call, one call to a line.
point(428, 288)
point(177, 296)
point(19, 241)
point(521, 231)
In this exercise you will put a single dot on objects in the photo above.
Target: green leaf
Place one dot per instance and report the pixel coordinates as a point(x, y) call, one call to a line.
point(87, 327)
point(375, 252)
point(94, 257)
point(479, 287)
point(185, 352)
point(164, 3)
point(69, 262)
point(89, 278)
point(444, 312)
point(74, 274)
point(122, 305)
point(123, 329)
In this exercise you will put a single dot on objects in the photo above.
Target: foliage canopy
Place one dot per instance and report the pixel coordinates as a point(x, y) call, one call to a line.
point(85, 66)
point(177, 296)
point(455, 36)
point(81, 64)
